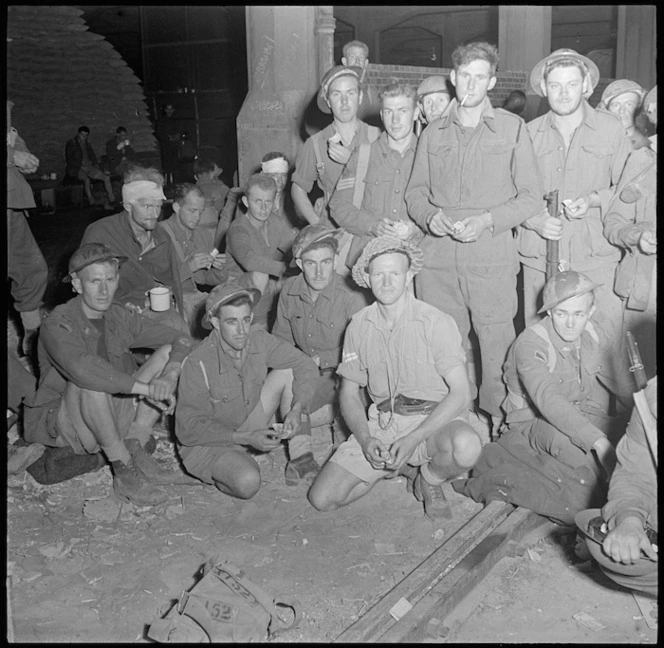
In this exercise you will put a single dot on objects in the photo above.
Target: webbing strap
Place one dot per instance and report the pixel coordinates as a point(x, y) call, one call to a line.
point(362, 166)
point(540, 331)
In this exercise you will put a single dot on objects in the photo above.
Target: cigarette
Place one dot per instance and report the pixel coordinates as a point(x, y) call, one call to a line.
point(214, 252)
point(463, 101)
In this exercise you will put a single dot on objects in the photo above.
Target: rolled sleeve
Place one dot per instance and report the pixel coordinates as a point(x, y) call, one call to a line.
point(352, 367)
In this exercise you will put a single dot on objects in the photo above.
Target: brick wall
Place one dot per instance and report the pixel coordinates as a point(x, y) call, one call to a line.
point(380, 75)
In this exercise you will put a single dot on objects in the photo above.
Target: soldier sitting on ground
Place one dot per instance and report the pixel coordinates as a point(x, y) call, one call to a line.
point(313, 311)
point(89, 381)
point(231, 386)
point(556, 456)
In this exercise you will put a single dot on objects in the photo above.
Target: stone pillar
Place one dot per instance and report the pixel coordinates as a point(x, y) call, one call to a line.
point(325, 24)
point(524, 36)
point(637, 44)
point(282, 60)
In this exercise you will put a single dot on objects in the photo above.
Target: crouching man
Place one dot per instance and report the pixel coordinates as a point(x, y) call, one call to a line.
point(89, 379)
point(410, 357)
point(226, 396)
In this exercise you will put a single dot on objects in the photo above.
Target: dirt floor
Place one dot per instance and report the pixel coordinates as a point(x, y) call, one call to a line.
point(89, 569)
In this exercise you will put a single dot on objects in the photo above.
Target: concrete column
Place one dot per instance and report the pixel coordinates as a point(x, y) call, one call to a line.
point(282, 57)
point(524, 36)
point(636, 48)
point(325, 24)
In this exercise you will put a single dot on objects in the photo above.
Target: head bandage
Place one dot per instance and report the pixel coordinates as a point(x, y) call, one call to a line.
point(277, 165)
point(132, 191)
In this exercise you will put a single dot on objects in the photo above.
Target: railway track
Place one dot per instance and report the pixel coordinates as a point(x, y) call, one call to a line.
point(416, 607)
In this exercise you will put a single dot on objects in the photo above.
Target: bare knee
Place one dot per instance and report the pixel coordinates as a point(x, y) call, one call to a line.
point(466, 447)
point(243, 485)
point(321, 500)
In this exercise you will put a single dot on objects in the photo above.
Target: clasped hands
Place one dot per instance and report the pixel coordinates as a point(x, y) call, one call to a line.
point(465, 230)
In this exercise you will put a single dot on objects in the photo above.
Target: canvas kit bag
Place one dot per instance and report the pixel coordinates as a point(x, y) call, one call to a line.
point(224, 606)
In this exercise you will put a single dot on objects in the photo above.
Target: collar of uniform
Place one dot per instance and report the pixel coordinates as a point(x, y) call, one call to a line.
point(589, 118)
point(375, 317)
point(299, 288)
point(158, 234)
point(563, 347)
point(385, 146)
point(224, 350)
point(451, 115)
point(178, 229)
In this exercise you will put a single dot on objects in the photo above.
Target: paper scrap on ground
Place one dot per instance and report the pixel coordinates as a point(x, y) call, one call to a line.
point(400, 608)
point(589, 622)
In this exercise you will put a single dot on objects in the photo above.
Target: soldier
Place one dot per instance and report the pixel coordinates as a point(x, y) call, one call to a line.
point(231, 386)
point(473, 180)
point(409, 356)
point(581, 152)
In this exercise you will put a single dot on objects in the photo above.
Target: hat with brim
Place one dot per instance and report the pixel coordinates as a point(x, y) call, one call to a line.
point(537, 73)
point(382, 245)
point(88, 254)
point(619, 87)
point(651, 98)
point(332, 74)
point(222, 294)
point(432, 84)
point(564, 286)
point(313, 234)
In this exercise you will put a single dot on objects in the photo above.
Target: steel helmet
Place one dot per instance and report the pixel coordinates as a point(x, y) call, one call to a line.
point(565, 285)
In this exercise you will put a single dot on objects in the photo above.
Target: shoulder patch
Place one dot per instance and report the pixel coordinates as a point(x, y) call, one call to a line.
point(541, 356)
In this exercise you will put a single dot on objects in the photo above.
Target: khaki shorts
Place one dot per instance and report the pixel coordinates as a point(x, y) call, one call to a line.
point(79, 438)
point(200, 460)
point(349, 454)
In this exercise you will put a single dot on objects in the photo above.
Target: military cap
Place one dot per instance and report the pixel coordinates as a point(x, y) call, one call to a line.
point(223, 293)
point(432, 84)
point(332, 74)
point(563, 286)
point(88, 254)
point(381, 245)
point(312, 234)
point(537, 73)
point(615, 89)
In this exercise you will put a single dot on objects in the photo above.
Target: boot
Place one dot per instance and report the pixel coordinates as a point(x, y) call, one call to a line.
point(153, 471)
point(304, 468)
point(410, 473)
point(130, 485)
point(435, 502)
point(20, 457)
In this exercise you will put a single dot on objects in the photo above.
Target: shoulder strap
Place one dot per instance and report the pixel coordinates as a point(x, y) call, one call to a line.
point(540, 331)
point(178, 248)
point(320, 166)
point(360, 173)
point(592, 331)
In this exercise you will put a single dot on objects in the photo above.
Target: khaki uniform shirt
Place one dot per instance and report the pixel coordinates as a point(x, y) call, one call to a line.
point(316, 328)
point(594, 162)
point(411, 360)
point(215, 397)
point(467, 171)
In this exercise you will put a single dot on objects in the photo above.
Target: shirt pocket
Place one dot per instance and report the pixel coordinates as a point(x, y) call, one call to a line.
point(376, 192)
point(442, 163)
point(595, 168)
point(493, 167)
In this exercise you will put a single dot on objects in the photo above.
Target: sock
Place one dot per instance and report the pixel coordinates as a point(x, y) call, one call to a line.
point(139, 431)
point(429, 477)
point(300, 444)
point(117, 451)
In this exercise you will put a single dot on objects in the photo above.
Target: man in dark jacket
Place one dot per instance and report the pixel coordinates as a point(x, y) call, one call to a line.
point(82, 165)
point(89, 378)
